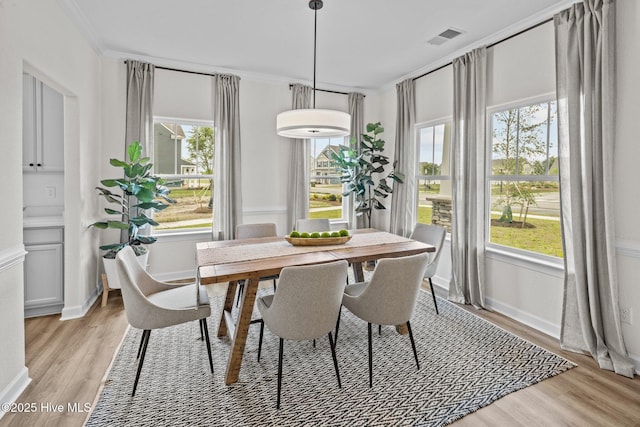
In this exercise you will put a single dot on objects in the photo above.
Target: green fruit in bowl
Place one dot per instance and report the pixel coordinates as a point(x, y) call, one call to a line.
point(344, 233)
point(315, 235)
point(294, 234)
point(325, 234)
point(304, 235)
point(335, 234)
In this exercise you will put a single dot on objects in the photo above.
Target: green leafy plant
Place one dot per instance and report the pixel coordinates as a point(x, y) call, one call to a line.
point(360, 171)
point(141, 191)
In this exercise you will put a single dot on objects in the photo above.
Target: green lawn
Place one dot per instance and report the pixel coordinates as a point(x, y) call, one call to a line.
point(545, 238)
point(331, 214)
point(424, 214)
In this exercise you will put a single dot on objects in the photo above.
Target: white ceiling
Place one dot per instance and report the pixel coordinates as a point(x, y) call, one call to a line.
point(362, 44)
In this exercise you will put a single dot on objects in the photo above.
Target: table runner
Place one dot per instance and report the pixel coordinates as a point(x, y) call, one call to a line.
point(254, 251)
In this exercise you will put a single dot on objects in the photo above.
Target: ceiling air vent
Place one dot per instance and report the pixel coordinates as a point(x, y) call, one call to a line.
point(444, 36)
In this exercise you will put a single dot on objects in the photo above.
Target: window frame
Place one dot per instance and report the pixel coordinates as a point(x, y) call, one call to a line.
point(417, 128)
point(496, 250)
point(169, 177)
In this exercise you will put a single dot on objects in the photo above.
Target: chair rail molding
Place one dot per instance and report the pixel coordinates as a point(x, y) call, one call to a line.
point(11, 256)
point(629, 248)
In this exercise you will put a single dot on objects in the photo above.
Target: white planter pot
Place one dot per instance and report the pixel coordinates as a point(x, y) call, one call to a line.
point(111, 269)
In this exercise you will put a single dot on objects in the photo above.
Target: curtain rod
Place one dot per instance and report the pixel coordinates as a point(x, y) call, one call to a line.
point(324, 90)
point(186, 71)
point(489, 46)
point(213, 75)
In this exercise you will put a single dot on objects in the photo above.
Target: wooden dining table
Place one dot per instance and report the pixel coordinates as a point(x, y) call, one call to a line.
point(250, 259)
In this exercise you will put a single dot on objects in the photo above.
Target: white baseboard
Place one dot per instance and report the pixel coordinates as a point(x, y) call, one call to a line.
point(15, 388)
point(77, 311)
point(525, 318)
point(441, 288)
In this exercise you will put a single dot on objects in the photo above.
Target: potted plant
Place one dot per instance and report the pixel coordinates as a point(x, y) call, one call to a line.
point(360, 171)
point(141, 191)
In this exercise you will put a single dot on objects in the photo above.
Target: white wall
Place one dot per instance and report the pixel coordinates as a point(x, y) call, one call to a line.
point(35, 36)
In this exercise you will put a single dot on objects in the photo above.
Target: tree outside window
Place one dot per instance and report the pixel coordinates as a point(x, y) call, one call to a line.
point(524, 179)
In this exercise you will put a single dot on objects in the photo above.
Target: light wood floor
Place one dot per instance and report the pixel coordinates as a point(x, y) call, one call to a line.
point(68, 360)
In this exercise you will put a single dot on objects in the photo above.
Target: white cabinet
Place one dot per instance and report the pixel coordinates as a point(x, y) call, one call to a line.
point(42, 127)
point(43, 271)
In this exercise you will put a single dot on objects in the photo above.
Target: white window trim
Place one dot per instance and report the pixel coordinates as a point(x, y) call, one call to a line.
point(417, 177)
point(528, 259)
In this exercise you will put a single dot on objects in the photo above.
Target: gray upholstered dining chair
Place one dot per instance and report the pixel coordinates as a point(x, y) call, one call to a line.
point(389, 298)
point(305, 306)
point(150, 304)
point(253, 231)
point(432, 235)
point(313, 224)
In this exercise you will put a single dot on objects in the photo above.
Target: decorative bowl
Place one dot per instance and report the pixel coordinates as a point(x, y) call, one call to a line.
point(317, 241)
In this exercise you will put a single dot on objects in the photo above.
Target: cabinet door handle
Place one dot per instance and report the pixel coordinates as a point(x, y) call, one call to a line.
point(39, 164)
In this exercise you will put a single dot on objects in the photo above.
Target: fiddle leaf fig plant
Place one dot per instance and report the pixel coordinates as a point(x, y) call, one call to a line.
point(140, 191)
point(360, 171)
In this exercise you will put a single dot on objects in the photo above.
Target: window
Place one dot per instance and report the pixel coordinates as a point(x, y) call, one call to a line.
point(325, 188)
point(433, 180)
point(523, 179)
point(183, 156)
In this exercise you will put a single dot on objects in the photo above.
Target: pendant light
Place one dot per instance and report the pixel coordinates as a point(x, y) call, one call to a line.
point(312, 122)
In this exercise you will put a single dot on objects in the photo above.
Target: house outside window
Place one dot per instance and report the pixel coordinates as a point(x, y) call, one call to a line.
point(183, 156)
point(433, 173)
point(524, 208)
point(325, 188)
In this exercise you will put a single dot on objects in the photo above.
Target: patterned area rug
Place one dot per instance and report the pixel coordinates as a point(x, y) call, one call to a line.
point(466, 363)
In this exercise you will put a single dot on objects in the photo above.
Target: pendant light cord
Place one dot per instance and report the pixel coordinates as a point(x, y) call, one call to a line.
point(315, 43)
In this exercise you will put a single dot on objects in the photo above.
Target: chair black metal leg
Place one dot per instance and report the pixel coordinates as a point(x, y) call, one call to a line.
point(413, 345)
point(279, 372)
point(379, 329)
point(274, 286)
point(140, 347)
point(260, 341)
point(433, 294)
point(370, 357)
point(145, 340)
point(314, 343)
point(335, 360)
point(201, 331)
point(338, 325)
point(203, 325)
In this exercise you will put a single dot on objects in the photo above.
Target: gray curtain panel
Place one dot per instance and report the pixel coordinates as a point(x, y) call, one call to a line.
point(139, 114)
point(403, 200)
point(356, 110)
point(227, 199)
point(468, 169)
point(585, 78)
point(299, 159)
point(139, 118)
